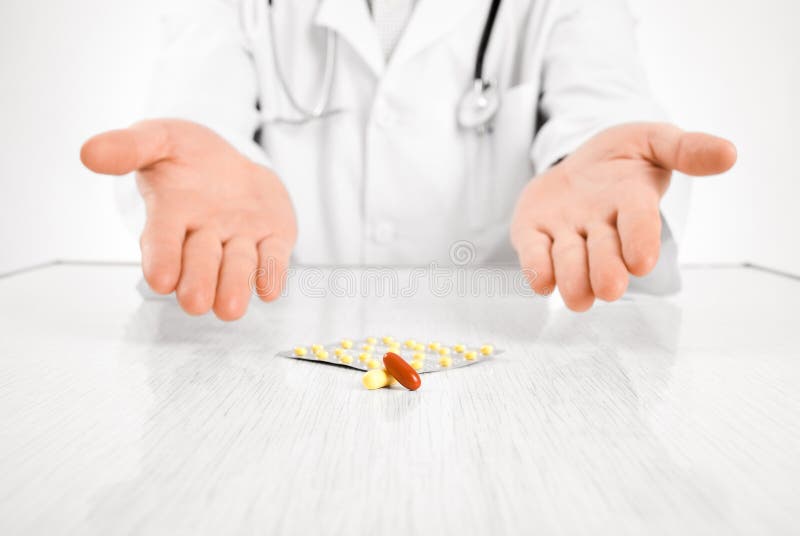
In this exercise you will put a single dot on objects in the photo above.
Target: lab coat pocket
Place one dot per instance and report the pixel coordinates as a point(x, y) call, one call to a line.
point(500, 161)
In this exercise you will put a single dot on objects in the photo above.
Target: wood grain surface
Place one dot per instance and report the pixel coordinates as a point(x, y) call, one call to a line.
point(647, 416)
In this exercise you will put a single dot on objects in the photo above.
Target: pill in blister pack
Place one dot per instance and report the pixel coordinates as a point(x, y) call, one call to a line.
point(367, 354)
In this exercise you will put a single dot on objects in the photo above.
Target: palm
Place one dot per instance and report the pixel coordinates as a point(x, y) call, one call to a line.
point(214, 218)
point(589, 221)
point(218, 189)
point(596, 193)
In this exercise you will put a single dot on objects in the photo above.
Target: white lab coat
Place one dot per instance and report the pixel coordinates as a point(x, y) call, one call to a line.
point(391, 179)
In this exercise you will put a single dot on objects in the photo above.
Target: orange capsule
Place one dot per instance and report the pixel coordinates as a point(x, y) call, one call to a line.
point(401, 371)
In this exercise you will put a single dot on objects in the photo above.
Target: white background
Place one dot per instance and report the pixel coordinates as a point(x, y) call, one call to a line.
point(71, 69)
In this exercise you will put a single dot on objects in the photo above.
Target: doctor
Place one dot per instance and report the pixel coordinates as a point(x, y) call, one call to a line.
point(384, 131)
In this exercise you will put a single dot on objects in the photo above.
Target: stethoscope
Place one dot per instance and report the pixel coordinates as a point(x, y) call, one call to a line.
point(476, 109)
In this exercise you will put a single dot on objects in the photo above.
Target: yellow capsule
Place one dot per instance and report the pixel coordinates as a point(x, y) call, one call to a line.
point(394, 348)
point(417, 365)
point(373, 364)
point(388, 340)
point(347, 344)
point(470, 356)
point(367, 347)
point(444, 350)
point(363, 357)
point(434, 345)
point(459, 348)
point(419, 347)
point(371, 340)
point(375, 379)
point(322, 354)
point(487, 349)
point(410, 343)
point(346, 359)
point(339, 352)
point(445, 361)
point(418, 356)
point(299, 351)
point(316, 348)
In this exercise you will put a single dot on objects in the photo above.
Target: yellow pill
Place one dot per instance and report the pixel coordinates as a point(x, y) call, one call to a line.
point(417, 365)
point(418, 356)
point(470, 356)
point(410, 343)
point(375, 379)
point(445, 361)
point(373, 364)
point(419, 347)
point(316, 347)
point(363, 357)
point(346, 359)
point(394, 348)
point(388, 340)
point(300, 351)
point(487, 349)
point(444, 350)
point(347, 344)
point(367, 347)
point(434, 345)
point(322, 354)
point(371, 340)
point(459, 348)
point(339, 352)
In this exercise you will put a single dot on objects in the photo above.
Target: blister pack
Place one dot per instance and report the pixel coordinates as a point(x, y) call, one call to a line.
point(367, 353)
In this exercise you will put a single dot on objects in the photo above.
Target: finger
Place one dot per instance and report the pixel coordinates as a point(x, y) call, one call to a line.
point(202, 252)
point(161, 244)
point(639, 228)
point(273, 265)
point(118, 152)
point(239, 261)
point(608, 274)
point(572, 271)
point(692, 153)
point(533, 250)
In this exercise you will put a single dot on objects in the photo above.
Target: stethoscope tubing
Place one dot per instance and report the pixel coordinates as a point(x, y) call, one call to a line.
point(320, 109)
point(486, 35)
point(327, 78)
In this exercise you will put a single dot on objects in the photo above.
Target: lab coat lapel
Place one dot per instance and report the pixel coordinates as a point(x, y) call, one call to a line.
point(352, 22)
point(431, 20)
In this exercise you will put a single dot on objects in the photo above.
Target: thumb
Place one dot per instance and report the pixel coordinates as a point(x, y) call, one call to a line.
point(692, 153)
point(117, 152)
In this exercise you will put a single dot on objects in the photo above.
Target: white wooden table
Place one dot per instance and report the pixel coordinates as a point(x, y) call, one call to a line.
point(647, 416)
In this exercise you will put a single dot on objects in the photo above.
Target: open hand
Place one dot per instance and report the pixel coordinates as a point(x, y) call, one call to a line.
point(589, 221)
point(214, 217)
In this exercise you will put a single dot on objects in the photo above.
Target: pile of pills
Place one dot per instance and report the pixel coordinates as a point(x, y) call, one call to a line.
point(369, 355)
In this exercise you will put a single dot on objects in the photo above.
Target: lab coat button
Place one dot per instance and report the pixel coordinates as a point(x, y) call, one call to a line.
point(383, 232)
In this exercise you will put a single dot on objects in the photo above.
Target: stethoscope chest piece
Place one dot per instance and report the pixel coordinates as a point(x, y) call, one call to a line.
point(478, 107)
